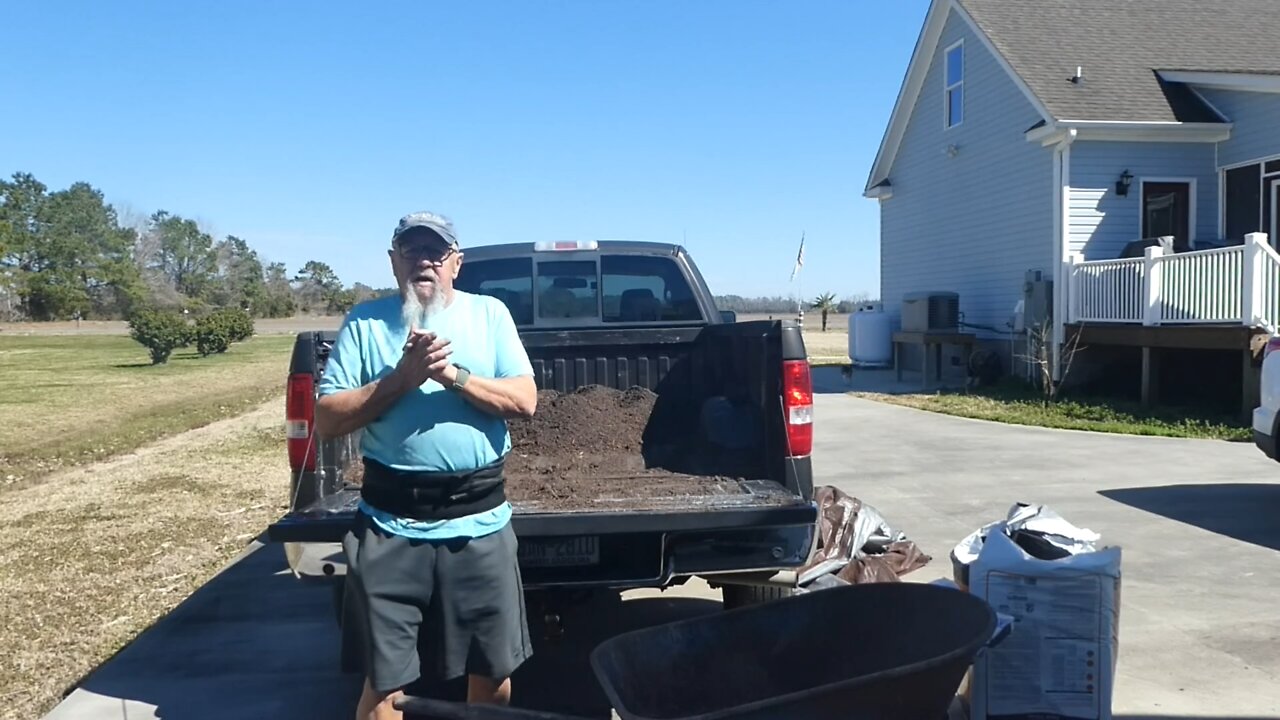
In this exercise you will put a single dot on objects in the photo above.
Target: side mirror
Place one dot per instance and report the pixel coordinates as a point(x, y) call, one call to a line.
point(728, 316)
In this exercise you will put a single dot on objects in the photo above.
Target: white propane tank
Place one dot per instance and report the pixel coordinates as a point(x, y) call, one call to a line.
point(870, 337)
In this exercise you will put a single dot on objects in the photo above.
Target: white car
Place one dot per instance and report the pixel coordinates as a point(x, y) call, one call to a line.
point(1265, 415)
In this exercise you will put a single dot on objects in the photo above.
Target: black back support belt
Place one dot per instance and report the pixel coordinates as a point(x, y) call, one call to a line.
point(422, 495)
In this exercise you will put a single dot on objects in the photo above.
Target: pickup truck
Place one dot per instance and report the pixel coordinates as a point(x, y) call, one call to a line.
point(620, 315)
point(1266, 416)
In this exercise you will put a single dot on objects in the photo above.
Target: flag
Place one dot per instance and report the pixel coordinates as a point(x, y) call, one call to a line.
point(799, 258)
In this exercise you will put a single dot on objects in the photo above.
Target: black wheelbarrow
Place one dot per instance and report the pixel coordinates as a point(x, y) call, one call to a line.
point(886, 651)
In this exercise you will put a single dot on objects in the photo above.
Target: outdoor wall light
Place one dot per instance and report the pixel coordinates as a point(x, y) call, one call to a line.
point(1122, 185)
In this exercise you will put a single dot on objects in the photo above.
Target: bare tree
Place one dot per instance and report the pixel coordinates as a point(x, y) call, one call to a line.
point(130, 217)
point(10, 297)
point(146, 256)
point(1040, 359)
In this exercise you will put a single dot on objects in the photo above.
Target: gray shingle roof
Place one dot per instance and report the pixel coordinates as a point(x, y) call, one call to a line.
point(1120, 44)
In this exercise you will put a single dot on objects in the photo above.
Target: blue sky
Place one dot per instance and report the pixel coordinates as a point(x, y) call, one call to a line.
point(309, 128)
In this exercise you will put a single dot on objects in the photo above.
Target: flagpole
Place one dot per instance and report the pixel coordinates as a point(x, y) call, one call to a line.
point(795, 276)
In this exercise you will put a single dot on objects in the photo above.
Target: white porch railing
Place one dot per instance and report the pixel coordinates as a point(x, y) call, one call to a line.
point(1269, 264)
point(1199, 287)
point(1108, 290)
point(1232, 285)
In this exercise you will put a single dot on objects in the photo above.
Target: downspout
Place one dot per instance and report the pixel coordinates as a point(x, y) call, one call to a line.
point(1061, 244)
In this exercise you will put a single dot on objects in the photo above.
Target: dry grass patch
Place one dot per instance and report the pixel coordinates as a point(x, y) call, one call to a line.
point(101, 552)
point(68, 400)
point(826, 348)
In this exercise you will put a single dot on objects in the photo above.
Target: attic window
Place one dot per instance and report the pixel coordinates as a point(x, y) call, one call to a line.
point(954, 94)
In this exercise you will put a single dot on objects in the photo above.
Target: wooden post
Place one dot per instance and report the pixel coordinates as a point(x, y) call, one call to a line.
point(1251, 385)
point(1251, 290)
point(1150, 376)
point(1061, 314)
point(1151, 285)
point(924, 364)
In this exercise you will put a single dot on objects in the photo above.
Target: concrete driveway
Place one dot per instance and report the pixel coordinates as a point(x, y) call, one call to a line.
point(1196, 519)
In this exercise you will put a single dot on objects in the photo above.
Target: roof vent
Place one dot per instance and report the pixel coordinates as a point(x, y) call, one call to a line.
point(1079, 76)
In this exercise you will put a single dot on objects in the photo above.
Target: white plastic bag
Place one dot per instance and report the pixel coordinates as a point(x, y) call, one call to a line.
point(1059, 659)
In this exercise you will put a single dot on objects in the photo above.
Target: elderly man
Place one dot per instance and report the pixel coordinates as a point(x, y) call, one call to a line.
point(431, 376)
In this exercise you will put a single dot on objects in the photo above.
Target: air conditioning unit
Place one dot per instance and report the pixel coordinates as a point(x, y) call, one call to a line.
point(1037, 298)
point(931, 312)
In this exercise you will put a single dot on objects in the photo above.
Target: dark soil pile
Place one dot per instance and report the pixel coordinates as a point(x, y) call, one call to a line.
point(587, 445)
point(586, 449)
point(593, 421)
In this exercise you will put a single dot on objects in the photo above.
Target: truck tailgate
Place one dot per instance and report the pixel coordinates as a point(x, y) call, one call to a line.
point(749, 503)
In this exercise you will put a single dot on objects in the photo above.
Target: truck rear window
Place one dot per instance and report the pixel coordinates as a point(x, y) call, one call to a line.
point(607, 288)
point(508, 279)
point(568, 289)
point(645, 289)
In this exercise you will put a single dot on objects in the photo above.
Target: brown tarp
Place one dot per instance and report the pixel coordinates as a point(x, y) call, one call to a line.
point(870, 562)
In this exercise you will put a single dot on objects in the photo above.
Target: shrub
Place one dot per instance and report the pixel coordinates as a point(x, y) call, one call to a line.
point(244, 323)
point(160, 332)
point(238, 322)
point(213, 334)
point(216, 331)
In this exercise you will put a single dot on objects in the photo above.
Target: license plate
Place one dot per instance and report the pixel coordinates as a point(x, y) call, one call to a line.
point(562, 552)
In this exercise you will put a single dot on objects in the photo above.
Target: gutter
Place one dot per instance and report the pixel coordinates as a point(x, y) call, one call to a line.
point(1152, 131)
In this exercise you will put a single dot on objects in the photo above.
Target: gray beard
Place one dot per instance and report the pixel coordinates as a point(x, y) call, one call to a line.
point(414, 313)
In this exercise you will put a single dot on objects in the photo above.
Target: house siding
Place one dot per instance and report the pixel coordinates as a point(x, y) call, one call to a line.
point(1102, 222)
point(977, 222)
point(1255, 119)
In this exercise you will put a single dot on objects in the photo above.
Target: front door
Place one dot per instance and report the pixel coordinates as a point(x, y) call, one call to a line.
point(1166, 210)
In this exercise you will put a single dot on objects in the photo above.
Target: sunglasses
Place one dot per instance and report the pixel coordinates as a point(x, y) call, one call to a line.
point(425, 251)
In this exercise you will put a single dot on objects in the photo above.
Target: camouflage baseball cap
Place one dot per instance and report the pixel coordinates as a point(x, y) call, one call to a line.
point(438, 224)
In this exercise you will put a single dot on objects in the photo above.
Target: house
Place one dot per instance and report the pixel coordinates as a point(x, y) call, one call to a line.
point(1128, 152)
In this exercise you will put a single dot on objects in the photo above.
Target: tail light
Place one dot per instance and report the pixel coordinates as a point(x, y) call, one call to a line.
point(299, 413)
point(797, 403)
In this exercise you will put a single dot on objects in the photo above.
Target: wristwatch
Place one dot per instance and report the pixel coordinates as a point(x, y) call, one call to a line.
point(460, 378)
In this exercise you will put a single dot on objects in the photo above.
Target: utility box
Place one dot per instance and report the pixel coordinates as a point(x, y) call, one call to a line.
point(1037, 300)
point(931, 312)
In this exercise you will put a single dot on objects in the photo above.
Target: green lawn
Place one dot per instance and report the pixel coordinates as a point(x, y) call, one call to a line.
point(1015, 404)
point(66, 400)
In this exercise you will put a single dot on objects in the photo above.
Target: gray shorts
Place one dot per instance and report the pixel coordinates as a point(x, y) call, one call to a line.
point(451, 607)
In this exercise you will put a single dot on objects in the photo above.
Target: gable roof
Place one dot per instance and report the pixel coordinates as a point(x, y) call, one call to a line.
point(1122, 45)
point(1133, 54)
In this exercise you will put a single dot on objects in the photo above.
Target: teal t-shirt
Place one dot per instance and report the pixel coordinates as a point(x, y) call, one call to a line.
point(432, 428)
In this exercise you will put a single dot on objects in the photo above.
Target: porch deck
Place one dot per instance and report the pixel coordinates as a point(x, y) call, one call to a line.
point(1224, 286)
point(1219, 299)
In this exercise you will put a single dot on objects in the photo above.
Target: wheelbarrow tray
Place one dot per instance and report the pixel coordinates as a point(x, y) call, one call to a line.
point(860, 652)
